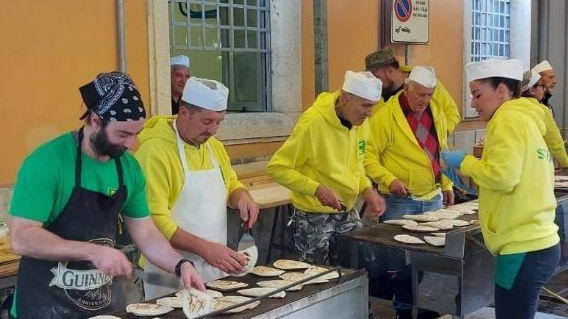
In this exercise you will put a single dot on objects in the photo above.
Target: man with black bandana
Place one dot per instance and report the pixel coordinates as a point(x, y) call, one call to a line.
point(67, 198)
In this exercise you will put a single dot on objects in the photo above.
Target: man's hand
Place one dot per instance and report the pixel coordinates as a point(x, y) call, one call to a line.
point(110, 261)
point(397, 187)
point(327, 197)
point(376, 205)
point(224, 258)
point(248, 209)
point(449, 197)
point(190, 277)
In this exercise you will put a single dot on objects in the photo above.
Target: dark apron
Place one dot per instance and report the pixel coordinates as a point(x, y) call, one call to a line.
point(74, 289)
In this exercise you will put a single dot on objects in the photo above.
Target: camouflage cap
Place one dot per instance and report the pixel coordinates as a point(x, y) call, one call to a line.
point(379, 58)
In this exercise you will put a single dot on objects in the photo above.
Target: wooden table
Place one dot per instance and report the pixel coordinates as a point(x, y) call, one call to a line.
point(9, 263)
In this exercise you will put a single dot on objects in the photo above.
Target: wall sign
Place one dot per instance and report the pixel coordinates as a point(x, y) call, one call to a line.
point(410, 21)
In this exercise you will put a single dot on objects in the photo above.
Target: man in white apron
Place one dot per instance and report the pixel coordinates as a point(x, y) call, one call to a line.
point(190, 184)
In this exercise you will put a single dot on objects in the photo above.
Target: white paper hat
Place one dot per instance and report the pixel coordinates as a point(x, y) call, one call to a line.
point(180, 60)
point(207, 94)
point(504, 68)
point(542, 66)
point(363, 84)
point(532, 77)
point(423, 75)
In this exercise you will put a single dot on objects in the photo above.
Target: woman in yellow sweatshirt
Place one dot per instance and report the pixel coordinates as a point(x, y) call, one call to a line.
point(516, 187)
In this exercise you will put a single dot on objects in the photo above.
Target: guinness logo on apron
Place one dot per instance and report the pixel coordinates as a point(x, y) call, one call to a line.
point(87, 287)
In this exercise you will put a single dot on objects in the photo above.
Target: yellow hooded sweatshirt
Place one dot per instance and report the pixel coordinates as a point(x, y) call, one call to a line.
point(394, 153)
point(516, 181)
point(321, 151)
point(159, 158)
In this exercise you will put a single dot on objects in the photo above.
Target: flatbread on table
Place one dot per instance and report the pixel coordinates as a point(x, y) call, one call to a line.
point(252, 258)
point(279, 283)
point(287, 264)
point(228, 301)
point(442, 224)
point(425, 217)
point(264, 271)
point(407, 239)
point(420, 228)
point(173, 302)
point(435, 240)
point(446, 213)
point(297, 276)
point(261, 291)
point(318, 270)
point(147, 309)
point(400, 222)
point(196, 303)
point(225, 285)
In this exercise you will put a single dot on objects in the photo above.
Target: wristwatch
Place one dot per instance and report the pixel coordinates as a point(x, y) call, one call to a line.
point(177, 270)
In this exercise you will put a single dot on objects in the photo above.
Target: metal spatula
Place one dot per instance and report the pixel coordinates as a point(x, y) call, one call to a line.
point(247, 240)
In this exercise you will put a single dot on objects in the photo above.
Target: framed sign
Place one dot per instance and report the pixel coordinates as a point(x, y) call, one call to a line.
point(410, 21)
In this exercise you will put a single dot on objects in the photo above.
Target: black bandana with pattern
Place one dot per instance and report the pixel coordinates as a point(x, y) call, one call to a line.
point(113, 96)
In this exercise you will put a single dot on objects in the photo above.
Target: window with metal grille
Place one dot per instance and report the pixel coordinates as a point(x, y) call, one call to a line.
point(229, 41)
point(490, 29)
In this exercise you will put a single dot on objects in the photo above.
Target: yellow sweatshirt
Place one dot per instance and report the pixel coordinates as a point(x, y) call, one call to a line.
point(443, 98)
point(394, 153)
point(552, 137)
point(516, 182)
point(159, 158)
point(321, 151)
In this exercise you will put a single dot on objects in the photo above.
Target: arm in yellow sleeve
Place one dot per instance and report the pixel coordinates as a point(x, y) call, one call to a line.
point(159, 190)
point(294, 153)
point(553, 138)
point(378, 140)
point(449, 106)
point(501, 166)
point(447, 184)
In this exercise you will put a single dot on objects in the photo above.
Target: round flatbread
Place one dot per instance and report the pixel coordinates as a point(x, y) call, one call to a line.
point(196, 303)
point(297, 276)
point(252, 255)
point(264, 271)
point(228, 301)
point(435, 240)
point(420, 228)
point(288, 264)
point(422, 217)
point(173, 302)
point(446, 213)
point(400, 222)
point(407, 239)
point(318, 270)
point(279, 284)
point(147, 309)
point(441, 224)
point(261, 291)
point(225, 285)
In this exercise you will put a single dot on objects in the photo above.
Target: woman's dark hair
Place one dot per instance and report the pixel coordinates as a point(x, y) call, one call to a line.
point(513, 85)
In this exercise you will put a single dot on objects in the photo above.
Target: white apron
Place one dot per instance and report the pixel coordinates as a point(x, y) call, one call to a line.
point(201, 209)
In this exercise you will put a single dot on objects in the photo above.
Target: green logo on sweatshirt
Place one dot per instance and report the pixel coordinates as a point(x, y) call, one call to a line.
point(543, 153)
point(361, 145)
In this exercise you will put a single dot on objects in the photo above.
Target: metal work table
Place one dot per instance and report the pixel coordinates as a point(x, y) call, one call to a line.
point(346, 298)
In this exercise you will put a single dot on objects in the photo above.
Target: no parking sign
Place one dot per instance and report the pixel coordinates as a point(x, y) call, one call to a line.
point(410, 20)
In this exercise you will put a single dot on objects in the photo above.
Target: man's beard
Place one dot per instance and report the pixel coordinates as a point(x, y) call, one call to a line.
point(104, 147)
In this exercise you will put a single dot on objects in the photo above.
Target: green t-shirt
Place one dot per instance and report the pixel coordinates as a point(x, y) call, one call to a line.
point(47, 177)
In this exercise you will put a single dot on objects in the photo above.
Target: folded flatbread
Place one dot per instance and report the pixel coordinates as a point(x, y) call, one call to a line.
point(228, 301)
point(225, 285)
point(297, 276)
point(435, 240)
point(422, 217)
point(407, 239)
point(400, 222)
point(261, 291)
point(147, 309)
point(252, 256)
point(264, 271)
point(318, 270)
point(420, 228)
point(196, 303)
point(288, 264)
point(213, 293)
point(442, 224)
point(173, 302)
point(279, 284)
point(446, 213)
point(458, 222)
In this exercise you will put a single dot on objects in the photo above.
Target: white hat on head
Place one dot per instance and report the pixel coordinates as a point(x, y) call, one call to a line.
point(207, 94)
point(363, 84)
point(423, 75)
point(180, 60)
point(542, 66)
point(532, 81)
point(503, 68)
